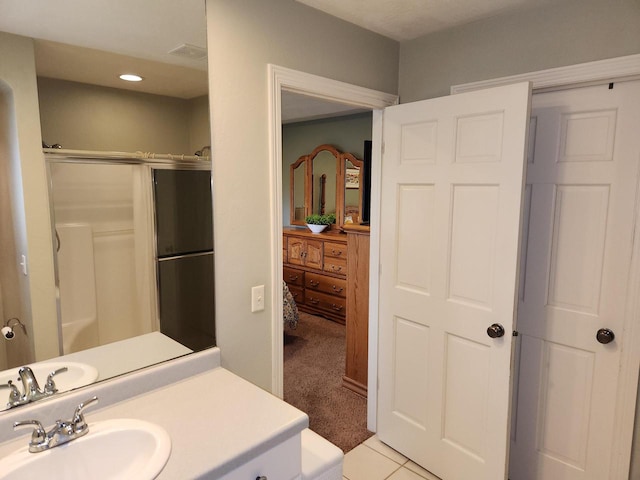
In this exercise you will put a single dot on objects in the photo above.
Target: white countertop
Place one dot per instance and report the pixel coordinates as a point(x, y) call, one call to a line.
point(216, 420)
point(128, 355)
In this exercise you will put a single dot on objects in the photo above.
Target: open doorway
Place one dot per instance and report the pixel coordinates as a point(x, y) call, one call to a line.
point(317, 377)
point(281, 80)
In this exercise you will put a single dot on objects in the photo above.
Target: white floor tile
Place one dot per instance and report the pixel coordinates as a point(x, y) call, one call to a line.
point(405, 474)
point(420, 471)
point(378, 446)
point(364, 463)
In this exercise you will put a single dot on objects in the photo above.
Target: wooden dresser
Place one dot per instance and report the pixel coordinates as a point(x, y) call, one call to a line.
point(328, 275)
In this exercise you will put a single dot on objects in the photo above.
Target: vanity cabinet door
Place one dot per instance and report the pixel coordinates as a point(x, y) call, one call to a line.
point(282, 462)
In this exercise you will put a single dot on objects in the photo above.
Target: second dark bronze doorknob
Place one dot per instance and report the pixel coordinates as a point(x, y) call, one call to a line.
point(495, 331)
point(605, 335)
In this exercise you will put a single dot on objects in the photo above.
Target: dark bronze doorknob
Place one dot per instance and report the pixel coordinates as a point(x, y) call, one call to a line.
point(495, 331)
point(605, 336)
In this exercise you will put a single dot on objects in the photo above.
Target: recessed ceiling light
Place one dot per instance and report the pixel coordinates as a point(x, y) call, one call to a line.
point(129, 77)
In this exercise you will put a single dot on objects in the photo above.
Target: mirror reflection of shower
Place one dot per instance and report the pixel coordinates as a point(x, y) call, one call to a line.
point(106, 261)
point(100, 231)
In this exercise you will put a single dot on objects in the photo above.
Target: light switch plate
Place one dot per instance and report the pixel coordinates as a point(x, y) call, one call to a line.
point(257, 298)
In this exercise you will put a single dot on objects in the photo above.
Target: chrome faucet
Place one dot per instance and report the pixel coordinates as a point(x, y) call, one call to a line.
point(62, 432)
point(30, 387)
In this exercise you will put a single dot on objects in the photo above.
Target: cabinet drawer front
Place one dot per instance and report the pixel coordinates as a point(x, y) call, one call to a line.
point(293, 276)
point(335, 265)
point(330, 303)
point(297, 293)
point(337, 250)
point(334, 286)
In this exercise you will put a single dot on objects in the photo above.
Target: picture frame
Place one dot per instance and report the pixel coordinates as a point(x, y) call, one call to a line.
point(352, 178)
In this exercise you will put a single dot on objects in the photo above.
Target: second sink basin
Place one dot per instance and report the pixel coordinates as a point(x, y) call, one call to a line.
point(113, 449)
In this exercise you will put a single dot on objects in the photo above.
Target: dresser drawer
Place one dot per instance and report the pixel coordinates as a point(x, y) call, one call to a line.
point(337, 250)
point(297, 293)
point(335, 265)
point(321, 283)
point(329, 303)
point(293, 276)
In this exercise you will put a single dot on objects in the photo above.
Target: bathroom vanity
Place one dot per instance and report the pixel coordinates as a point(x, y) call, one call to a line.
point(221, 426)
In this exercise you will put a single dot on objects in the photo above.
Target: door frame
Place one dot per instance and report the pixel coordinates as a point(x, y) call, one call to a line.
point(279, 79)
point(585, 74)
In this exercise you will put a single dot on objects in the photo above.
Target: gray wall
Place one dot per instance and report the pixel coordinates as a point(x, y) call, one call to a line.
point(21, 155)
point(566, 33)
point(347, 134)
point(90, 117)
point(243, 37)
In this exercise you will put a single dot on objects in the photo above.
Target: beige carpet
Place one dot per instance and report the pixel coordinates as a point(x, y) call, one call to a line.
point(314, 355)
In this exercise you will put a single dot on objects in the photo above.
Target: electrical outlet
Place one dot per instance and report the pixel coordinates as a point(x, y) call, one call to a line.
point(257, 298)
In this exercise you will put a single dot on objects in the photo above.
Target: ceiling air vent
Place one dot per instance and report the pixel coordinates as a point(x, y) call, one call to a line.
point(189, 51)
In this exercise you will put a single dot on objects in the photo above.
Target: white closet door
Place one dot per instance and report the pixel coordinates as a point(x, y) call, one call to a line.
point(452, 182)
point(581, 199)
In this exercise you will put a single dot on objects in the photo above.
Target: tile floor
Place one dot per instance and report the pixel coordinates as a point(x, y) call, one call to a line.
point(373, 460)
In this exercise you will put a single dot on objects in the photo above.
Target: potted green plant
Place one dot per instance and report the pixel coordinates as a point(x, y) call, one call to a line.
point(317, 223)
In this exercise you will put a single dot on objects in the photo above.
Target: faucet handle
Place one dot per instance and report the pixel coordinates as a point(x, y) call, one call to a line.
point(78, 421)
point(50, 385)
point(14, 395)
point(38, 436)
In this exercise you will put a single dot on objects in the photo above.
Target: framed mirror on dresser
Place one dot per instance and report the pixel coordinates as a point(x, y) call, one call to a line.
point(328, 181)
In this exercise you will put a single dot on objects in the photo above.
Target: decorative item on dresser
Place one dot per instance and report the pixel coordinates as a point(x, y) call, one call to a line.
point(328, 275)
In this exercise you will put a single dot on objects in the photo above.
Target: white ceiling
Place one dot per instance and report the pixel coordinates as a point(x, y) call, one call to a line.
point(93, 41)
point(408, 19)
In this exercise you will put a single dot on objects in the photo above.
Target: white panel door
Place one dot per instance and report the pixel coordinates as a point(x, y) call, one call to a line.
point(581, 195)
point(452, 189)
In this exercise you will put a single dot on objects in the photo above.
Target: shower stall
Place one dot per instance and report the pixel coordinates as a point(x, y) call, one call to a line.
point(133, 247)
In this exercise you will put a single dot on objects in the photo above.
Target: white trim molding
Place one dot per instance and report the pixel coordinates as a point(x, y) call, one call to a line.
point(602, 71)
point(279, 79)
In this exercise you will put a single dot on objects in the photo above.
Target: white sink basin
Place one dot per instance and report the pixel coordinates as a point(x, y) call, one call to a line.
point(77, 375)
point(113, 449)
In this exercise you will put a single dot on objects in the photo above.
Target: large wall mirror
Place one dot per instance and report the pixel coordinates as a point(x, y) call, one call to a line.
point(121, 294)
point(327, 181)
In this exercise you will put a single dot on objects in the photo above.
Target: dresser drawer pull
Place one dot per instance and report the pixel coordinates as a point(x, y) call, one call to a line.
point(262, 477)
point(336, 268)
point(337, 308)
point(337, 289)
point(315, 301)
point(295, 295)
point(313, 283)
point(293, 278)
point(336, 253)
